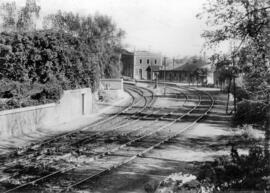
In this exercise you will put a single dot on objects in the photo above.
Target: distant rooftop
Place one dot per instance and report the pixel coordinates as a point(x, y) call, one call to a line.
point(140, 53)
point(154, 68)
point(126, 52)
point(146, 53)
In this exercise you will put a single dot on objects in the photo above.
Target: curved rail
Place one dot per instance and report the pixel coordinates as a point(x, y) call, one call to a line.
point(79, 129)
point(50, 140)
point(145, 105)
point(126, 144)
point(27, 155)
point(151, 147)
point(155, 120)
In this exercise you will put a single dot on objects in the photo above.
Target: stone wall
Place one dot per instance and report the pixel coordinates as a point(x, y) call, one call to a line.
point(72, 105)
point(112, 84)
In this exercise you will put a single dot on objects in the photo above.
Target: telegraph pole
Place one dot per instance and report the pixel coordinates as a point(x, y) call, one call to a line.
point(164, 78)
point(267, 134)
point(233, 51)
point(151, 76)
point(234, 86)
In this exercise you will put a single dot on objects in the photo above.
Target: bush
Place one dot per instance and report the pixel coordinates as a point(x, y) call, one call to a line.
point(29, 102)
point(43, 55)
point(249, 112)
point(13, 89)
point(3, 105)
point(13, 103)
point(51, 92)
point(245, 172)
point(240, 93)
point(16, 94)
point(37, 66)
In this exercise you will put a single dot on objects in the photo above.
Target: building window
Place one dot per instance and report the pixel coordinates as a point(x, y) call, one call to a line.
point(155, 61)
point(147, 61)
point(140, 61)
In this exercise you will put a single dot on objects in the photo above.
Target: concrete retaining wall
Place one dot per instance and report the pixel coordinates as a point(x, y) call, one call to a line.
point(73, 104)
point(112, 84)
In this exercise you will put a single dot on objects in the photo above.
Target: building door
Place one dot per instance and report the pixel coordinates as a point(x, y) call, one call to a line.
point(148, 75)
point(140, 74)
point(148, 70)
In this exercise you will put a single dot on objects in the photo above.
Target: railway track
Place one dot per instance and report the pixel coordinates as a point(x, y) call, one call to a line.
point(154, 123)
point(145, 117)
point(149, 100)
point(34, 151)
point(129, 149)
point(50, 139)
point(147, 143)
point(131, 105)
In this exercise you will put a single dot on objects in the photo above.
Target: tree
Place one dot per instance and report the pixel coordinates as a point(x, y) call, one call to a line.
point(247, 24)
point(101, 35)
point(225, 70)
point(8, 16)
point(19, 19)
point(63, 21)
point(27, 16)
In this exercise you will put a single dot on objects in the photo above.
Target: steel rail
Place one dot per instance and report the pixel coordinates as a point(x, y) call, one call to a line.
point(88, 127)
point(126, 108)
point(100, 133)
point(148, 149)
point(139, 118)
point(115, 149)
point(116, 128)
point(104, 153)
point(157, 119)
point(113, 129)
point(79, 129)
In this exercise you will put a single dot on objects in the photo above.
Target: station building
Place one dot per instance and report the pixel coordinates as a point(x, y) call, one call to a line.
point(140, 65)
point(182, 75)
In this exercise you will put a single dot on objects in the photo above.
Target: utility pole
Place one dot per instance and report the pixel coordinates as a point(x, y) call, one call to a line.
point(267, 134)
point(151, 76)
point(164, 76)
point(234, 86)
point(233, 71)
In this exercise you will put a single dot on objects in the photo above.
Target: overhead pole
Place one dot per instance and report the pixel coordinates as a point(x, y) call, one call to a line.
point(267, 131)
point(234, 75)
point(151, 76)
point(164, 78)
point(234, 86)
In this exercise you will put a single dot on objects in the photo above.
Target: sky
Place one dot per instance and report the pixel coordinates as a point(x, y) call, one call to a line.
point(166, 26)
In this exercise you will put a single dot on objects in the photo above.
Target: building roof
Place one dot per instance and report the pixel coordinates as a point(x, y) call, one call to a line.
point(155, 68)
point(189, 67)
point(146, 53)
point(126, 52)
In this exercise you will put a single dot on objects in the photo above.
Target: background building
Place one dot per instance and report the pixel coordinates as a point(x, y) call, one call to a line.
point(196, 76)
point(192, 70)
point(140, 65)
point(127, 60)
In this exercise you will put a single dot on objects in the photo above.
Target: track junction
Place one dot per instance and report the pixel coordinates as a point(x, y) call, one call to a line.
point(66, 162)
